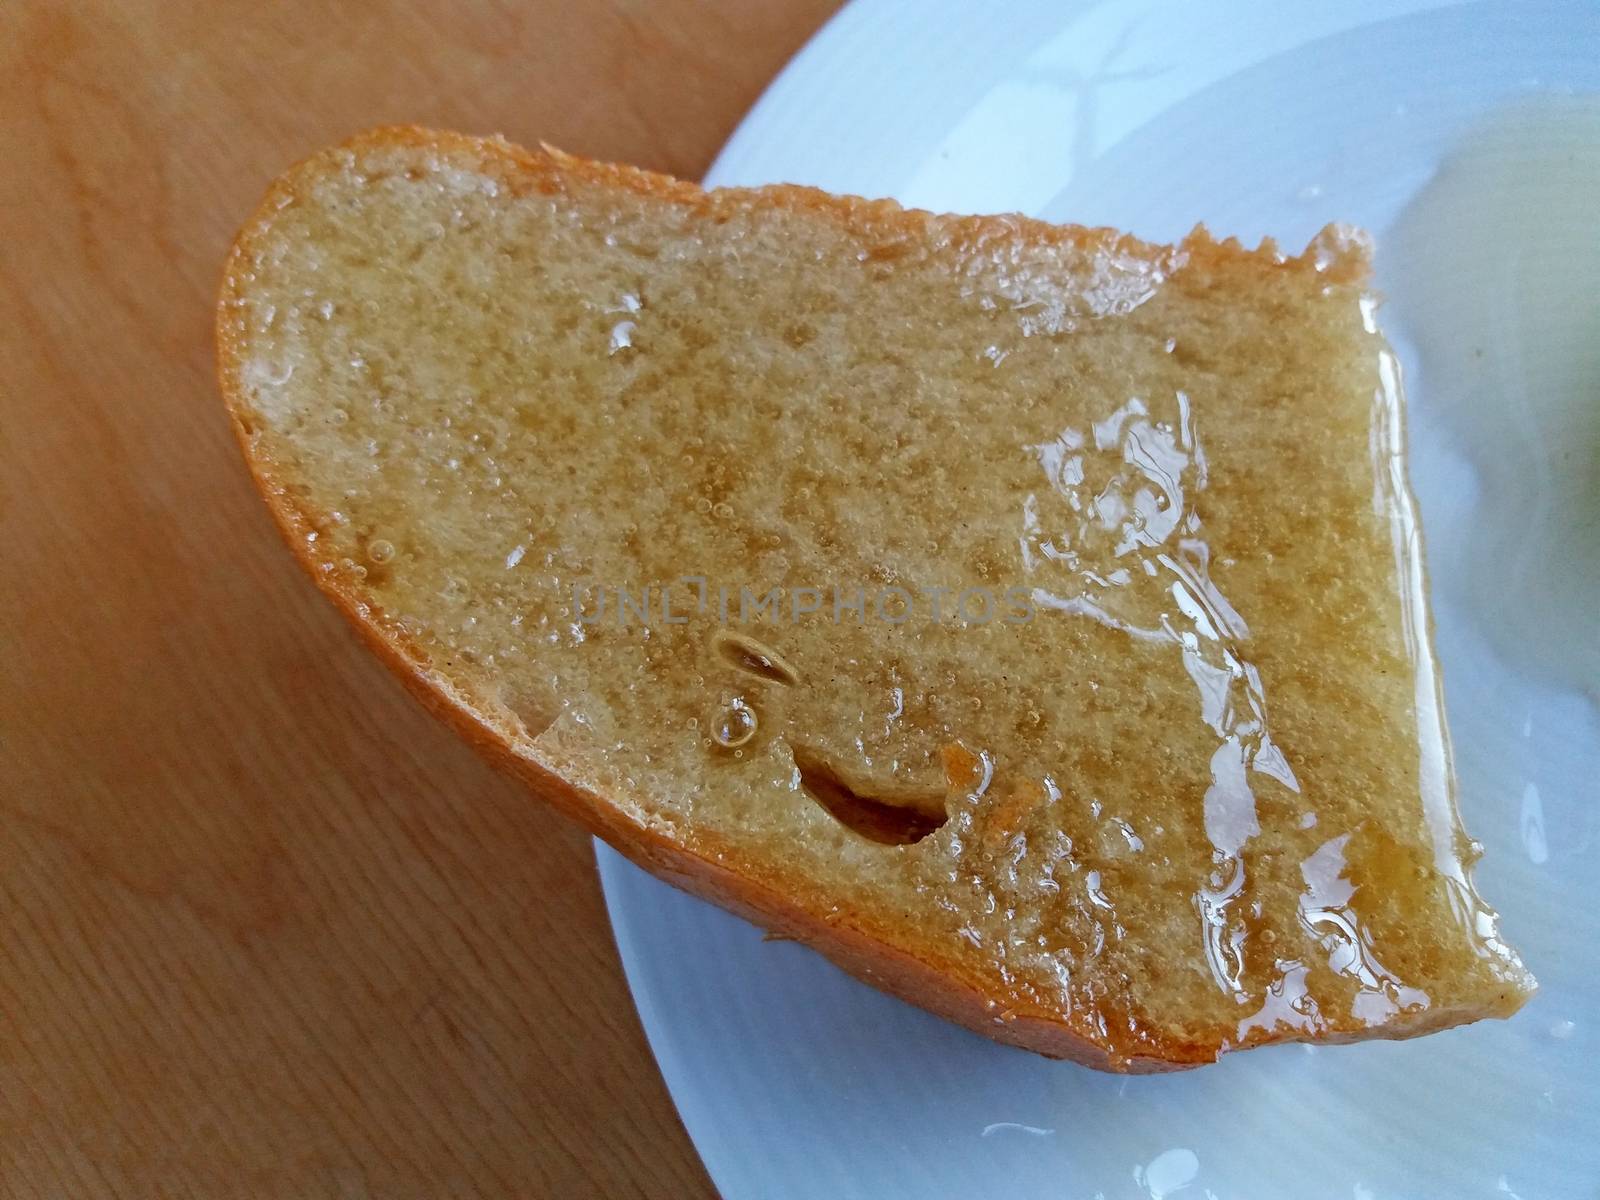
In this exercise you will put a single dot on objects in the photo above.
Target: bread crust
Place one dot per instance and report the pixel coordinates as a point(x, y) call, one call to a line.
point(707, 868)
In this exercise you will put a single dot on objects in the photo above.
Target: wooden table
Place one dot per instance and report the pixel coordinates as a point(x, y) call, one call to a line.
point(265, 929)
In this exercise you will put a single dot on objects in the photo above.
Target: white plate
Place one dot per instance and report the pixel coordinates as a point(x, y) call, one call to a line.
point(796, 1081)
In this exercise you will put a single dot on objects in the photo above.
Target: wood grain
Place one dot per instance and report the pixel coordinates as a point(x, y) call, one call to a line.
point(265, 929)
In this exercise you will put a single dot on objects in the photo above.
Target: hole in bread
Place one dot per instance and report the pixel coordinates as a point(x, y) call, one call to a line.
point(533, 716)
point(896, 818)
point(754, 657)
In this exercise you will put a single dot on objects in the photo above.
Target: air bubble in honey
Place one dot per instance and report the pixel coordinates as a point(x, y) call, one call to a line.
point(380, 551)
point(734, 724)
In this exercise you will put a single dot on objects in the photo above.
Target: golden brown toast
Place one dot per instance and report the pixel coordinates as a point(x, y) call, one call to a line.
point(1029, 618)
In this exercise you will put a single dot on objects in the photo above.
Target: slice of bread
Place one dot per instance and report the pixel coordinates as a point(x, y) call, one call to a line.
point(1095, 708)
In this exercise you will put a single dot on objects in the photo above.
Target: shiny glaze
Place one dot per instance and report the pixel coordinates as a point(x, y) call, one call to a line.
point(1113, 776)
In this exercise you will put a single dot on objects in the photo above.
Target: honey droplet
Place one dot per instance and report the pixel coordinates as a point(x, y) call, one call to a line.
point(734, 724)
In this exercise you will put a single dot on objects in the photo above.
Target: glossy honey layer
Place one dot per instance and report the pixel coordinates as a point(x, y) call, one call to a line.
point(1044, 602)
